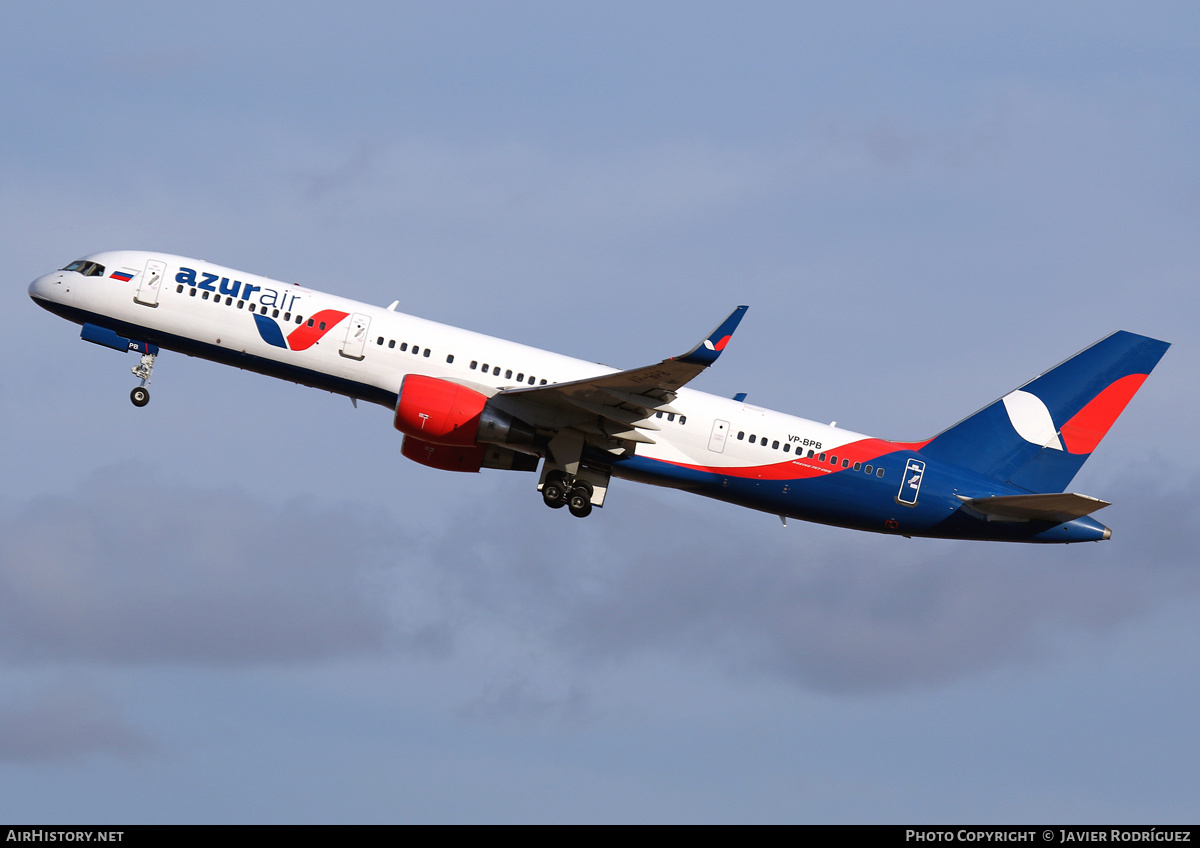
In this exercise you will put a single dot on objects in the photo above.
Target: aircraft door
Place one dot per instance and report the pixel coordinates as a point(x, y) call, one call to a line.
point(356, 336)
point(716, 441)
point(910, 486)
point(151, 282)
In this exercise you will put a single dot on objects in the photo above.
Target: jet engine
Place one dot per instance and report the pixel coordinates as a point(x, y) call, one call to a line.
point(440, 412)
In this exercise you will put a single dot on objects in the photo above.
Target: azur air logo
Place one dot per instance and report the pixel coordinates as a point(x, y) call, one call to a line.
point(301, 338)
point(304, 336)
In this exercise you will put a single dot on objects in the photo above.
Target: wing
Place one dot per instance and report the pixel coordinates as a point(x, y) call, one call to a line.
point(615, 411)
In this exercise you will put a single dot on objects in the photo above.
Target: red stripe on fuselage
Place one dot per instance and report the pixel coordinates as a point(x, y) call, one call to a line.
point(1087, 427)
point(304, 336)
point(804, 467)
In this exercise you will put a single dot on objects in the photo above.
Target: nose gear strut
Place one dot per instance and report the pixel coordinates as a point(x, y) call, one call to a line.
point(141, 395)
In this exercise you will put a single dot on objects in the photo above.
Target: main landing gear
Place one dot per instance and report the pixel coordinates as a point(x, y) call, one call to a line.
point(569, 481)
point(141, 395)
point(574, 493)
point(579, 492)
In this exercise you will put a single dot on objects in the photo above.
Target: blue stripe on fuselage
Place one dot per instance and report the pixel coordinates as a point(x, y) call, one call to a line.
point(853, 499)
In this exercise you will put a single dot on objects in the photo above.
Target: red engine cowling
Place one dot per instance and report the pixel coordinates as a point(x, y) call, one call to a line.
point(438, 412)
point(444, 457)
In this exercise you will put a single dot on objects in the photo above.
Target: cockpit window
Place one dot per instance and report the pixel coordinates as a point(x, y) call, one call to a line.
point(88, 269)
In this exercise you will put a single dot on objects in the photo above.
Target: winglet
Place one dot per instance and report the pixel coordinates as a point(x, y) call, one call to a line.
point(707, 351)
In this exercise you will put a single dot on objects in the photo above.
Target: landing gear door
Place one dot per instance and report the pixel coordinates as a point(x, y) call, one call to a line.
point(151, 282)
point(716, 441)
point(356, 336)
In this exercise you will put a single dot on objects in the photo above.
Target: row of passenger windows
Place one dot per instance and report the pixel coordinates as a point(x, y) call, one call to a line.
point(508, 374)
point(485, 368)
point(416, 349)
point(671, 417)
point(820, 457)
point(241, 304)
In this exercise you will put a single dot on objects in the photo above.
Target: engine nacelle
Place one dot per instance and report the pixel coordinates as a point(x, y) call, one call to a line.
point(473, 458)
point(438, 411)
point(444, 457)
point(444, 413)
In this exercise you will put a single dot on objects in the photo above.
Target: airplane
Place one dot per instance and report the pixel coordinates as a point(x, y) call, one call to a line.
point(465, 401)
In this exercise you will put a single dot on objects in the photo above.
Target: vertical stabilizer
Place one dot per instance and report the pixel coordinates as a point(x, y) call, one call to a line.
point(1038, 436)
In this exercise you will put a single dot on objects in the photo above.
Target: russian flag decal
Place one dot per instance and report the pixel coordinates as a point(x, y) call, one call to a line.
point(123, 276)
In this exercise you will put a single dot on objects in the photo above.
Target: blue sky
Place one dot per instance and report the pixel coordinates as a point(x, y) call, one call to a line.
point(241, 604)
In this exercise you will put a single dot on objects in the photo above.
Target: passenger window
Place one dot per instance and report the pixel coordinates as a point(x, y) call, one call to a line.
point(810, 455)
point(241, 304)
point(753, 438)
point(878, 472)
point(205, 296)
point(741, 435)
point(787, 447)
point(775, 445)
point(310, 322)
point(179, 290)
point(821, 457)
point(474, 364)
point(542, 383)
point(191, 292)
point(484, 368)
point(287, 316)
point(299, 319)
point(857, 466)
point(426, 353)
point(274, 313)
point(508, 374)
point(833, 460)
point(404, 345)
point(450, 357)
point(322, 324)
point(532, 379)
point(845, 463)
point(670, 416)
point(682, 419)
point(379, 341)
point(391, 344)
point(869, 469)
point(496, 371)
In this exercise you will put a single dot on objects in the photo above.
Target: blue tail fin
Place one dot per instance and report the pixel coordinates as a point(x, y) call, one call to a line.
point(1039, 436)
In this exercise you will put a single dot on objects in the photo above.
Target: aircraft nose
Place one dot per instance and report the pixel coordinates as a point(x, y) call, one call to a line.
point(50, 290)
point(44, 286)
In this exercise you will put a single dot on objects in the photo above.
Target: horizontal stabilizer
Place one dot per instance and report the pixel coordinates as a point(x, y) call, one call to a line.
point(1056, 506)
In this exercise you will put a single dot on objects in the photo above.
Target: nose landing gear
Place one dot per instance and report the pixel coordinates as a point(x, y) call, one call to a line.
point(141, 395)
